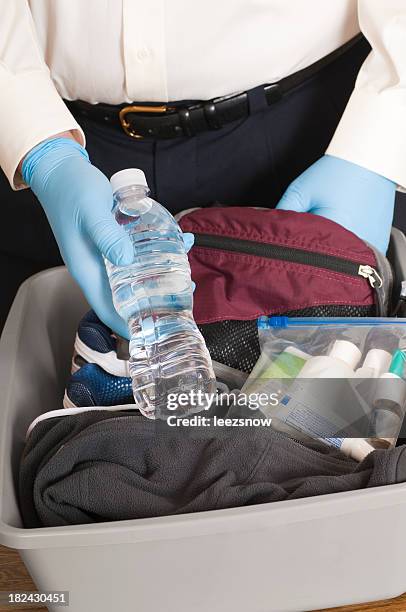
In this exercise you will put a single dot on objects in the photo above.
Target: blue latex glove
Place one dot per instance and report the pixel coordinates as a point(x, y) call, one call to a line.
point(360, 200)
point(77, 199)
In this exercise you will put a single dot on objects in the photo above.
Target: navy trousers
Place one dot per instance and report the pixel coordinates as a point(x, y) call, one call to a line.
point(248, 162)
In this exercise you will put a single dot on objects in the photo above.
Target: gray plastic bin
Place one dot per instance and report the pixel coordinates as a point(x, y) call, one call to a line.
point(283, 557)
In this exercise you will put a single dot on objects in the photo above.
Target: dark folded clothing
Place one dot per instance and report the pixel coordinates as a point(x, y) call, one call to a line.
point(93, 467)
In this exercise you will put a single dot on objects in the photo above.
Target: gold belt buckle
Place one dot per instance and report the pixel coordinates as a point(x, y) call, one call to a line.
point(138, 109)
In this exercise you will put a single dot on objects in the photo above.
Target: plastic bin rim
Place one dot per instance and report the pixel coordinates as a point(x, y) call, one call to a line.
point(248, 518)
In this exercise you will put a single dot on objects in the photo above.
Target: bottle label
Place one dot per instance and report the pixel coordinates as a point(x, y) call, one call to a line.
point(328, 409)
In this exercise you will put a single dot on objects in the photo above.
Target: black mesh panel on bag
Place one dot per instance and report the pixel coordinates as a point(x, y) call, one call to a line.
point(236, 344)
point(334, 310)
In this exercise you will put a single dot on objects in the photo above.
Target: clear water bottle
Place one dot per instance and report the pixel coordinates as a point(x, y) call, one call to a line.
point(154, 295)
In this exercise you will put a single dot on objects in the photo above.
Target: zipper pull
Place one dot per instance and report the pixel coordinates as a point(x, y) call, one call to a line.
point(372, 275)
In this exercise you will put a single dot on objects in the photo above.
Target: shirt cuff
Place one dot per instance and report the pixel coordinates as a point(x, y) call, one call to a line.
point(372, 133)
point(31, 111)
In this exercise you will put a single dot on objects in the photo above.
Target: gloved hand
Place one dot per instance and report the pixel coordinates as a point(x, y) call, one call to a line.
point(77, 199)
point(360, 200)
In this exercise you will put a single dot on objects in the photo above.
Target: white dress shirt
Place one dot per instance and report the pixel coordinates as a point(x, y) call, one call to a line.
point(118, 51)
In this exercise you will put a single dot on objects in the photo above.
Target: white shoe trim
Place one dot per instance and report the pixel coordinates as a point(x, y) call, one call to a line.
point(74, 367)
point(107, 361)
point(67, 402)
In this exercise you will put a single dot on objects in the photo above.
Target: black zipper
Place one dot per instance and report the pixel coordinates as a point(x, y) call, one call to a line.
point(283, 253)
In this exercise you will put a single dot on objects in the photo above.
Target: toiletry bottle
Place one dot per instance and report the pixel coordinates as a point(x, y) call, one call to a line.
point(389, 404)
point(379, 347)
point(376, 362)
point(286, 365)
point(356, 448)
point(341, 362)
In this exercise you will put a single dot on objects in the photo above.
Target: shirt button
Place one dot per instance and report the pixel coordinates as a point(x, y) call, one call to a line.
point(143, 54)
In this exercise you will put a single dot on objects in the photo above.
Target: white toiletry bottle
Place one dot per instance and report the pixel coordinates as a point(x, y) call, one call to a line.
point(339, 363)
point(376, 362)
point(380, 345)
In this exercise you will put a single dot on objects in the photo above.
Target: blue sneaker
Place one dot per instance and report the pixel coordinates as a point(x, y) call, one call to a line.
point(96, 343)
point(92, 386)
point(99, 377)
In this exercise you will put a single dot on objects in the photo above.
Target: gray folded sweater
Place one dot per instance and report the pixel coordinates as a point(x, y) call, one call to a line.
point(96, 466)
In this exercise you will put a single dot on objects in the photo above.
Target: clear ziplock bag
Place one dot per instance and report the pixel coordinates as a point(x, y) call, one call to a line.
point(339, 381)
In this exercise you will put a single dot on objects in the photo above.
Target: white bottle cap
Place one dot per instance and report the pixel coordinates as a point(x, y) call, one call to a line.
point(127, 178)
point(378, 360)
point(356, 448)
point(346, 351)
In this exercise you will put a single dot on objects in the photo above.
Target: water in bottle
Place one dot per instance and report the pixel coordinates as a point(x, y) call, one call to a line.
point(154, 296)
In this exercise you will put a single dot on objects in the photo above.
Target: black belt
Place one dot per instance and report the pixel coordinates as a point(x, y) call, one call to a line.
point(171, 120)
